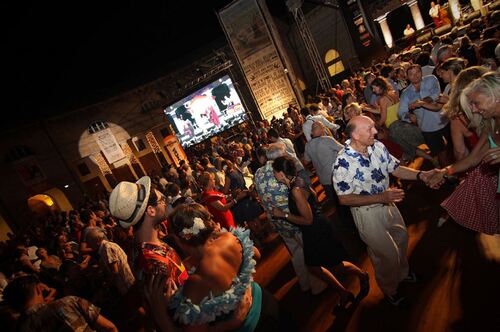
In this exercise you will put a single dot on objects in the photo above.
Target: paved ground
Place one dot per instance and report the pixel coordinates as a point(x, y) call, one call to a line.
point(459, 287)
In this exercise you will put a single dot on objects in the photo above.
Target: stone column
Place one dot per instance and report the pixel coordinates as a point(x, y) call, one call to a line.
point(382, 20)
point(455, 9)
point(415, 13)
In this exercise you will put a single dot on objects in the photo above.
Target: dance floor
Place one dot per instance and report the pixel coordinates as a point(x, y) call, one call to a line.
point(458, 288)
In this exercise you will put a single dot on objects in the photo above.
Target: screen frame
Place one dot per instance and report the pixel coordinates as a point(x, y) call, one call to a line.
point(200, 86)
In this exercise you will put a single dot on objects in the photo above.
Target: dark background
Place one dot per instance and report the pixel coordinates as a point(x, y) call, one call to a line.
point(63, 55)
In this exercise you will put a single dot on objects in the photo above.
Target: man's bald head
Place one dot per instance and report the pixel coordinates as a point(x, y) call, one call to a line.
point(361, 129)
point(318, 129)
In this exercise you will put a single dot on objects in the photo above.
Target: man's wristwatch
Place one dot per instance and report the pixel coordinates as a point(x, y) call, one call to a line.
point(418, 176)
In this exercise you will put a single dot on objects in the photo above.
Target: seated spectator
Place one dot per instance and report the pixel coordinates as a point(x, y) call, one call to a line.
point(71, 313)
point(352, 110)
point(487, 54)
point(423, 59)
point(404, 134)
point(23, 260)
point(468, 51)
point(48, 262)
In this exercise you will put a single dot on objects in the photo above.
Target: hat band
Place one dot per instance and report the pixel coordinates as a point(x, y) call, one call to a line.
point(141, 194)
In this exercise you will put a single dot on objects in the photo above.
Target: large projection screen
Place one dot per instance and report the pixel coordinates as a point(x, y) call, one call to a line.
point(206, 112)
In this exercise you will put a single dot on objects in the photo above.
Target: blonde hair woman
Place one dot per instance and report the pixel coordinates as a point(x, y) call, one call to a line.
point(473, 204)
point(463, 139)
point(352, 110)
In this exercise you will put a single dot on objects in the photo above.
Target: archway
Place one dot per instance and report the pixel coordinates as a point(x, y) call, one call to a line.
point(60, 199)
point(42, 204)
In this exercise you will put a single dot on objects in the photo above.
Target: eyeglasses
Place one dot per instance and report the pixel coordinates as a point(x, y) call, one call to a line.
point(154, 200)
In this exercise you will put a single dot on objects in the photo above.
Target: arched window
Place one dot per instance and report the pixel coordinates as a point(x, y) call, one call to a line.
point(334, 62)
point(97, 126)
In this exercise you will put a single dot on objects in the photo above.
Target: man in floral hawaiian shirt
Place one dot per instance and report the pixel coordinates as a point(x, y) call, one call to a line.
point(361, 180)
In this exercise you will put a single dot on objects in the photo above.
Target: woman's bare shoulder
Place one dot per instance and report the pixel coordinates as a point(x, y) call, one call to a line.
point(221, 261)
point(196, 288)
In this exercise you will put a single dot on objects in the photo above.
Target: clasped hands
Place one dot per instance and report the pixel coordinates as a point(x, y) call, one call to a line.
point(438, 177)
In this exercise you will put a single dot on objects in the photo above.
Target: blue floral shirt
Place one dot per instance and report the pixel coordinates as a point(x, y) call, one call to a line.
point(272, 193)
point(355, 174)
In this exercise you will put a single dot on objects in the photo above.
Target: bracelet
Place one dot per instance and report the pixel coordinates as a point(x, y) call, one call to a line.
point(449, 171)
point(418, 176)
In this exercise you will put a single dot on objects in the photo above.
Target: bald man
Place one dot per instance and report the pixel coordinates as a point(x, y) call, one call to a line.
point(361, 180)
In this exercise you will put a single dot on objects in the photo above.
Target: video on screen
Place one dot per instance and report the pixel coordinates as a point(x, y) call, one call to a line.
point(206, 112)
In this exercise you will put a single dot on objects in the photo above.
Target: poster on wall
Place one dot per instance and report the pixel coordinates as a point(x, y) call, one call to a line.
point(251, 40)
point(29, 171)
point(109, 146)
point(175, 150)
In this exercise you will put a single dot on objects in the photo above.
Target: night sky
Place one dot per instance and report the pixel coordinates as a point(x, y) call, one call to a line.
point(62, 55)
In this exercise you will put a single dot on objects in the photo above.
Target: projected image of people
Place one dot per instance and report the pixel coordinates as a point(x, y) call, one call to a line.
point(206, 112)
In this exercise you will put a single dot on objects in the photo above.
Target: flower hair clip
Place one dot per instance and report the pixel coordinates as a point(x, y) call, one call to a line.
point(198, 225)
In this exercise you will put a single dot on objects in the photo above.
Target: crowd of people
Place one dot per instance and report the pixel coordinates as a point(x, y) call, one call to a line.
point(177, 250)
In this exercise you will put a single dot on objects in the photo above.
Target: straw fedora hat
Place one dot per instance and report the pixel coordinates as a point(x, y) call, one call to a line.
point(128, 201)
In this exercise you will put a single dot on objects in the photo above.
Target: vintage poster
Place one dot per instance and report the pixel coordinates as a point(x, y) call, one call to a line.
point(175, 150)
point(250, 37)
point(29, 171)
point(108, 145)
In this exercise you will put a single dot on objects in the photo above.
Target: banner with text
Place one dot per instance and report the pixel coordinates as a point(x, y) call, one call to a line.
point(251, 40)
point(109, 146)
point(175, 150)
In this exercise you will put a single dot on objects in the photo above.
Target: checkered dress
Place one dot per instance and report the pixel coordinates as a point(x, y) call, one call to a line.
point(474, 204)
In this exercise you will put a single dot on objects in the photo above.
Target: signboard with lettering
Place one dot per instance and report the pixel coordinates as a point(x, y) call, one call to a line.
point(175, 150)
point(109, 146)
point(251, 39)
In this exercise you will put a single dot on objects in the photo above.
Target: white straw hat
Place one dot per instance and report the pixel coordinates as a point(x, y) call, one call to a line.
point(128, 201)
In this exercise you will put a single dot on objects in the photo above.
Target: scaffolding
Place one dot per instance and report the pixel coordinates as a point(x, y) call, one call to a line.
point(294, 6)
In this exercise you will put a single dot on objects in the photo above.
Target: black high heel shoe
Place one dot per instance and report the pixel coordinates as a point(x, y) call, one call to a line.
point(364, 283)
point(344, 303)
